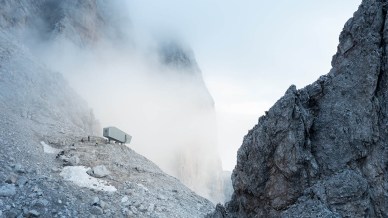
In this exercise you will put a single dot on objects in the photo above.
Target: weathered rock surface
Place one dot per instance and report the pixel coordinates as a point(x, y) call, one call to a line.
point(322, 151)
point(99, 171)
point(7, 190)
point(84, 22)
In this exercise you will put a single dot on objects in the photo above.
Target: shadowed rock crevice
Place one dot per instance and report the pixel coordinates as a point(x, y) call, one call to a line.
point(321, 151)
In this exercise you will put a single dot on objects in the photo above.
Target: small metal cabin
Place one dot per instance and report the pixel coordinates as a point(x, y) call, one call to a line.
point(115, 134)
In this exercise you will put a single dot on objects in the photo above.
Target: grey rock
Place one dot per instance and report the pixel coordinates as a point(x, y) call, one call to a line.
point(10, 214)
point(96, 201)
point(74, 161)
point(42, 202)
point(127, 212)
point(321, 151)
point(19, 168)
point(7, 190)
point(306, 207)
point(151, 208)
point(11, 179)
point(176, 55)
point(103, 205)
point(142, 208)
point(96, 210)
point(21, 181)
point(124, 199)
point(33, 213)
point(100, 171)
point(90, 172)
point(220, 212)
point(55, 169)
point(69, 161)
point(133, 209)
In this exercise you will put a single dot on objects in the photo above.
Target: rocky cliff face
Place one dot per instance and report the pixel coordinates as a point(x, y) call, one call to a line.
point(82, 22)
point(322, 151)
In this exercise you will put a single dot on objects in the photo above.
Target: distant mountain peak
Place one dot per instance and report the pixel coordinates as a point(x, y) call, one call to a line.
point(177, 56)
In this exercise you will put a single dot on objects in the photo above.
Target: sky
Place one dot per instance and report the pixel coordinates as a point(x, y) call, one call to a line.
point(249, 51)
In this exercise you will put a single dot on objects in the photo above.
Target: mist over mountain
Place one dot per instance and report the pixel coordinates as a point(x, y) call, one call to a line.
point(69, 68)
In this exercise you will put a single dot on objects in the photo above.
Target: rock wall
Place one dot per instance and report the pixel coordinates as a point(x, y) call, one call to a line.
point(322, 151)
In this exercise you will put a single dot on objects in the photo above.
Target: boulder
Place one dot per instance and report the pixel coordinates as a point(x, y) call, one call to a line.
point(100, 171)
point(7, 190)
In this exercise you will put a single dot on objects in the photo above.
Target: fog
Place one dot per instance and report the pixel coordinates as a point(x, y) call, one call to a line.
point(249, 52)
point(148, 85)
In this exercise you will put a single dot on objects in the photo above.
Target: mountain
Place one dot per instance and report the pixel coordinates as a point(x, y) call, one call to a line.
point(138, 84)
point(48, 166)
point(82, 22)
point(321, 151)
point(63, 64)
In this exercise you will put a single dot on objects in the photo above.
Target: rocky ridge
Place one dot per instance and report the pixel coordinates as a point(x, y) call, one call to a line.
point(321, 151)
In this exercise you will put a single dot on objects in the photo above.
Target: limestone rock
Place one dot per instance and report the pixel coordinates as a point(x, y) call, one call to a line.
point(33, 213)
point(11, 179)
point(100, 171)
point(322, 151)
point(7, 190)
point(96, 210)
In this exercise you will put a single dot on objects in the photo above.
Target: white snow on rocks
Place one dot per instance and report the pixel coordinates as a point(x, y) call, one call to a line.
point(78, 175)
point(48, 149)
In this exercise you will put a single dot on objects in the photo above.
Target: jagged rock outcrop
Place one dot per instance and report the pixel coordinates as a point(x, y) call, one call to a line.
point(84, 22)
point(322, 151)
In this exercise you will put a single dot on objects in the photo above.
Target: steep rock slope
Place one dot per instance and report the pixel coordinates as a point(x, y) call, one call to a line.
point(44, 154)
point(99, 29)
point(32, 92)
point(322, 151)
point(88, 40)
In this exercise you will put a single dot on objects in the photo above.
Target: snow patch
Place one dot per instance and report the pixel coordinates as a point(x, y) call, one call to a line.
point(78, 175)
point(48, 149)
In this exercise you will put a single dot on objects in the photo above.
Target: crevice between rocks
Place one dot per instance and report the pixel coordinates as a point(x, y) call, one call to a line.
point(383, 58)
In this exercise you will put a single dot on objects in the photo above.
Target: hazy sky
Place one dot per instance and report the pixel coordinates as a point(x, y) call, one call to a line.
point(250, 51)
